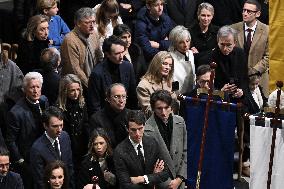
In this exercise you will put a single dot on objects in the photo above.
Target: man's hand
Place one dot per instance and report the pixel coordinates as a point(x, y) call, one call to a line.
point(154, 44)
point(159, 166)
point(137, 180)
point(230, 88)
point(238, 94)
point(174, 184)
point(125, 6)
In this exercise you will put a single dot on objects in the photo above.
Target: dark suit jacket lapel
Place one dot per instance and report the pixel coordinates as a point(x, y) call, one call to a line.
point(132, 154)
point(49, 146)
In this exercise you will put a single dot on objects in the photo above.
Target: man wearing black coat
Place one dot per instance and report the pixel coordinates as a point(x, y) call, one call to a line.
point(112, 70)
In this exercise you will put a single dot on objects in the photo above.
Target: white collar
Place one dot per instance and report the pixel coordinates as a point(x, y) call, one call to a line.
point(51, 139)
point(253, 28)
point(135, 145)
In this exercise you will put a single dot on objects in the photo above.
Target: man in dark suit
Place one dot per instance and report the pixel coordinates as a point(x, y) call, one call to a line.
point(138, 159)
point(170, 132)
point(8, 179)
point(112, 70)
point(113, 117)
point(24, 124)
point(54, 144)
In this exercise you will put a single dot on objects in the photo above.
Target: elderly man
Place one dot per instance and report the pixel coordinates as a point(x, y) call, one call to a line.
point(112, 70)
point(80, 49)
point(170, 132)
point(8, 179)
point(113, 117)
point(253, 38)
point(24, 123)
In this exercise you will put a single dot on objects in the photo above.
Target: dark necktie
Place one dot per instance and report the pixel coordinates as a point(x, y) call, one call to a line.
point(141, 157)
point(248, 41)
point(56, 149)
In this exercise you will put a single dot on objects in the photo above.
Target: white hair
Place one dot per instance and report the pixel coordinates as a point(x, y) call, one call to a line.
point(273, 97)
point(30, 76)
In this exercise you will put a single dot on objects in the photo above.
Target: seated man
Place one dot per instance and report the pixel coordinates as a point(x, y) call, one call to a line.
point(54, 144)
point(152, 29)
point(8, 179)
point(112, 70)
point(170, 132)
point(113, 117)
point(138, 159)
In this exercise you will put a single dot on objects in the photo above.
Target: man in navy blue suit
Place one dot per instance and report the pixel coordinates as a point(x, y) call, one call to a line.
point(53, 145)
point(112, 70)
point(8, 179)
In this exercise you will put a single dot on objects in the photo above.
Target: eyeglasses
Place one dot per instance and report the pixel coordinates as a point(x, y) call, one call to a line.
point(118, 97)
point(4, 165)
point(91, 22)
point(250, 12)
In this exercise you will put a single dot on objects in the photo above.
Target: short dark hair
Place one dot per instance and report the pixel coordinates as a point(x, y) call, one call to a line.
point(254, 2)
point(51, 111)
point(161, 95)
point(136, 116)
point(108, 91)
point(4, 151)
point(48, 171)
point(112, 40)
point(202, 69)
point(121, 29)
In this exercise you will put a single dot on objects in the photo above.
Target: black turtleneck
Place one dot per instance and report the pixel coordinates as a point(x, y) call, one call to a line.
point(165, 129)
point(114, 71)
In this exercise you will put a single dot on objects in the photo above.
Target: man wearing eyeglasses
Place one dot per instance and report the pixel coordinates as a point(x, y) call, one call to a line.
point(8, 179)
point(113, 117)
point(114, 69)
point(253, 38)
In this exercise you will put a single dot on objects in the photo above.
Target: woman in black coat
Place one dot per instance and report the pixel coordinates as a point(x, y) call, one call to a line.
point(35, 40)
point(98, 162)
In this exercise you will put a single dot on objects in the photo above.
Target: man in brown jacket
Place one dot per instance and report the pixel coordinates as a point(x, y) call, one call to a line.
point(80, 49)
point(253, 38)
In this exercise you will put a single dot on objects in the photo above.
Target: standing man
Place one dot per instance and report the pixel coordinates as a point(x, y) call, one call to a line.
point(80, 50)
point(24, 124)
point(112, 70)
point(170, 132)
point(8, 179)
point(113, 117)
point(54, 144)
point(138, 159)
point(253, 38)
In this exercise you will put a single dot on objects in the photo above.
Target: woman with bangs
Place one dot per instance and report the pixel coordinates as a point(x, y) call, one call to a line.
point(107, 17)
point(159, 76)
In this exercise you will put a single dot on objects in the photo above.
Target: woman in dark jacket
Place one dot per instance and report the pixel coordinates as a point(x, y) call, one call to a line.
point(203, 33)
point(35, 40)
point(71, 101)
point(133, 53)
point(98, 162)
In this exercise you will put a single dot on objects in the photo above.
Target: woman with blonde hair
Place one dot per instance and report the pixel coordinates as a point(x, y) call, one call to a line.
point(107, 17)
point(35, 39)
point(71, 101)
point(159, 76)
point(184, 72)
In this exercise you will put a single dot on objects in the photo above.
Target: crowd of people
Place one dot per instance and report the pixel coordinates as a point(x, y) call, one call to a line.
point(97, 106)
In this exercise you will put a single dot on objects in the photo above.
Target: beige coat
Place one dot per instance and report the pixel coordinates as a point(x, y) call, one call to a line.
point(258, 54)
point(73, 52)
point(144, 90)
